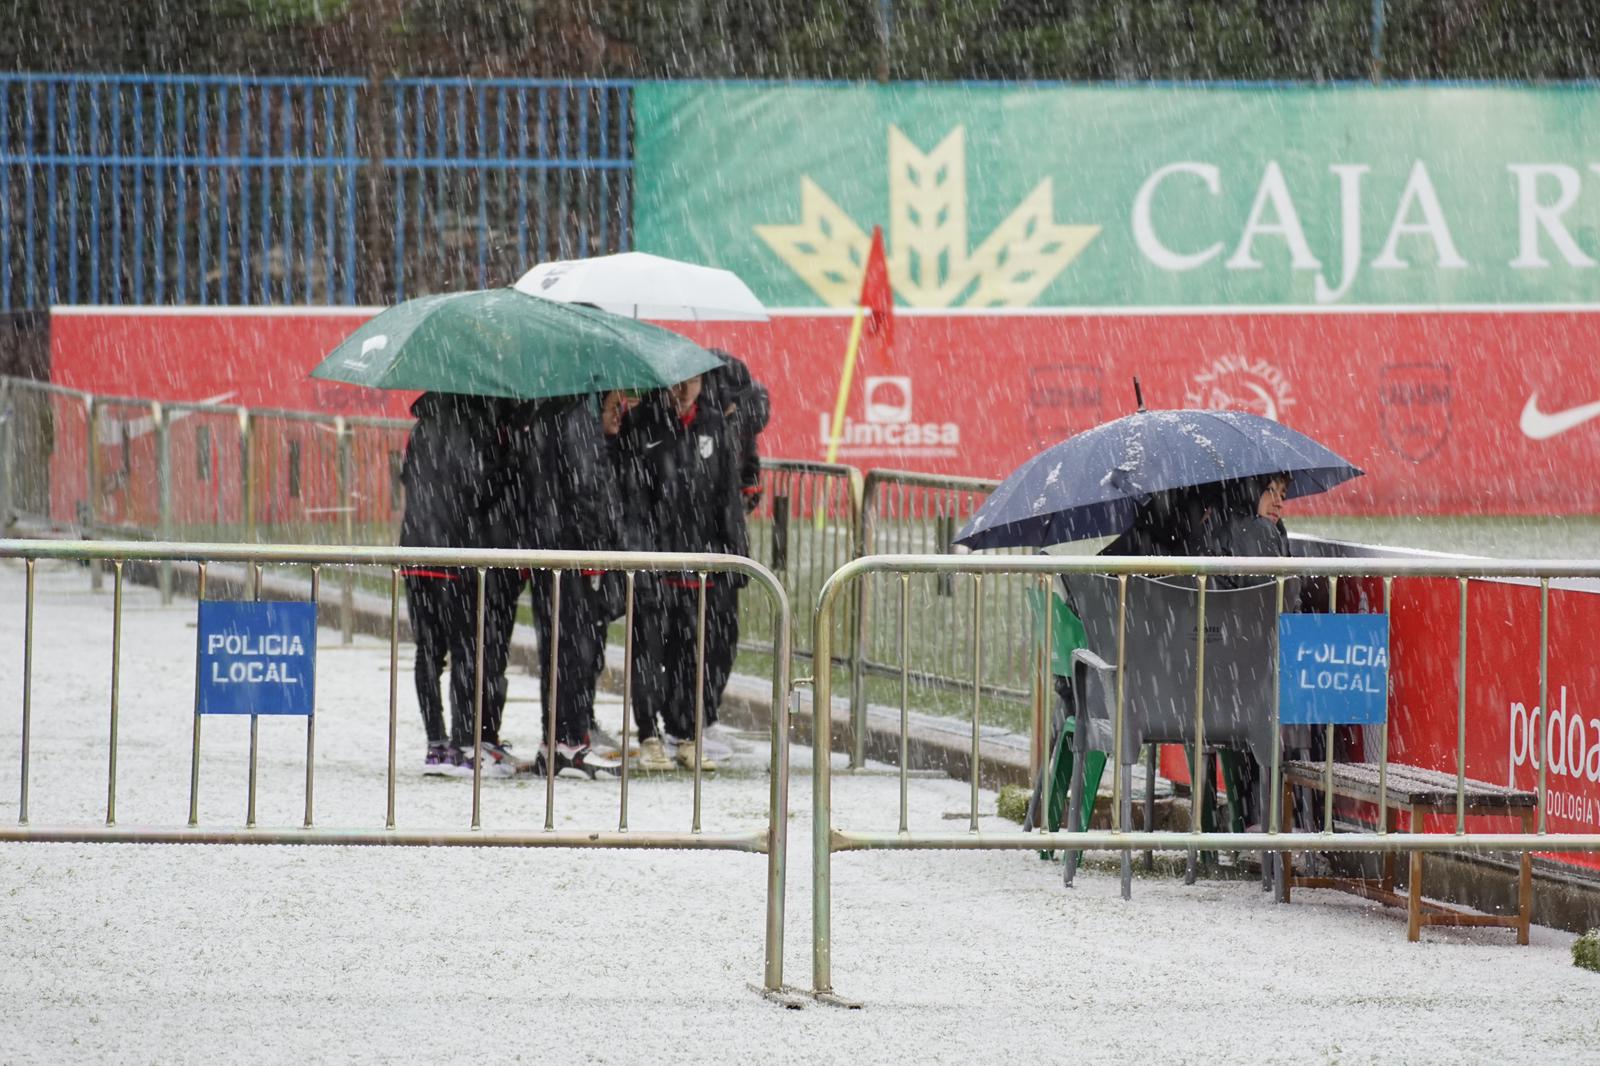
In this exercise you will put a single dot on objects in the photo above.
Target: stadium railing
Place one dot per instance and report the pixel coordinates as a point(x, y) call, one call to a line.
point(898, 570)
point(120, 556)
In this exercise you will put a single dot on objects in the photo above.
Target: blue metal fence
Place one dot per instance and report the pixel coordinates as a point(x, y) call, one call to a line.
point(491, 176)
point(166, 189)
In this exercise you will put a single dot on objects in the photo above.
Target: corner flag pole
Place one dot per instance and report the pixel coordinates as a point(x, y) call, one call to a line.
point(846, 376)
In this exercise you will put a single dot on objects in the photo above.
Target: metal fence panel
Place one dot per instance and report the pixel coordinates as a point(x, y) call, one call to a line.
point(166, 189)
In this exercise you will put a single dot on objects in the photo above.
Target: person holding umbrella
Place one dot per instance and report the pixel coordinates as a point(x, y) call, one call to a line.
point(448, 477)
point(681, 494)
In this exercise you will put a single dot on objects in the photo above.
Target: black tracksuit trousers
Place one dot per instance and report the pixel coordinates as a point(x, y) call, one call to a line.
point(665, 662)
point(440, 603)
point(580, 653)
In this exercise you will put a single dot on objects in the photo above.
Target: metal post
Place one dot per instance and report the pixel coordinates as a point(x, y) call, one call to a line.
point(27, 689)
point(1275, 790)
point(699, 697)
point(394, 682)
point(163, 433)
point(860, 625)
point(1040, 764)
point(477, 709)
point(194, 751)
point(116, 691)
point(553, 689)
point(1122, 697)
point(92, 490)
point(1197, 777)
point(1544, 692)
point(255, 722)
point(977, 688)
point(627, 694)
point(347, 588)
point(905, 694)
point(822, 801)
point(1327, 741)
point(1461, 719)
point(1383, 735)
point(311, 719)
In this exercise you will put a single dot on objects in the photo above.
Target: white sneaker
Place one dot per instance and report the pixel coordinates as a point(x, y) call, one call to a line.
point(653, 757)
point(711, 745)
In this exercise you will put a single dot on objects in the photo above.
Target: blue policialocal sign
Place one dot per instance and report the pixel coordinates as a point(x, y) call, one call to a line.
point(257, 658)
point(1333, 668)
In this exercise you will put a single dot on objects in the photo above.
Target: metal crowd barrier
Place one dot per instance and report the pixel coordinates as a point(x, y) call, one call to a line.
point(826, 839)
point(771, 840)
point(903, 512)
point(804, 529)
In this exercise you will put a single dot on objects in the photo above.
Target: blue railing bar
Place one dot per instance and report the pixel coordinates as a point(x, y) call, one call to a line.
point(263, 268)
point(522, 180)
point(308, 229)
point(138, 198)
point(583, 187)
point(543, 148)
point(235, 80)
point(136, 160)
point(30, 240)
point(440, 132)
point(605, 177)
point(419, 139)
point(72, 199)
point(513, 83)
point(53, 189)
point(329, 240)
point(222, 199)
point(285, 118)
point(115, 178)
point(159, 184)
point(350, 200)
point(246, 251)
point(461, 150)
point(483, 197)
point(95, 135)
point(562, 250)
point(399, 201)
point(202, 224)
point(181, 282)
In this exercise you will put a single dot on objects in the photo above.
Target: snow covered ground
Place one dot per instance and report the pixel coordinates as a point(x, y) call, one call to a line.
point(194, 954)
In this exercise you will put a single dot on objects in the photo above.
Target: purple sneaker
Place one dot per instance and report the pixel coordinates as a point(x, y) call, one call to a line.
point(437, 762)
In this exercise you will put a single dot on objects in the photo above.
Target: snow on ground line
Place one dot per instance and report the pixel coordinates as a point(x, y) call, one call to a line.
point(125, 953)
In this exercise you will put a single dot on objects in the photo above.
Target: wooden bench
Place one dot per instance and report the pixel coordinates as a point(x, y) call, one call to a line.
point(1418, 793)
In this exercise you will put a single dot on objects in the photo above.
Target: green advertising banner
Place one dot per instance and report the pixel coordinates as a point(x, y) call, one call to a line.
point(1017, 196)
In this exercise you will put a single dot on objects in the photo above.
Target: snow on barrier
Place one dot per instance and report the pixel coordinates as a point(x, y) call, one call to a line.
point(1493, 631)
point(237, 653)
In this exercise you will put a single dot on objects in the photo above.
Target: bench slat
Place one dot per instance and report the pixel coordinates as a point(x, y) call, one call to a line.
point(1406, 785)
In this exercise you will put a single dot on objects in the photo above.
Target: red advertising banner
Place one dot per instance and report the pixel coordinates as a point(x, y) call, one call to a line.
point(1459, 412)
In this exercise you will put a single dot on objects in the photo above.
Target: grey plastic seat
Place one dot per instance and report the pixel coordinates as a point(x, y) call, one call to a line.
point(1159, 687)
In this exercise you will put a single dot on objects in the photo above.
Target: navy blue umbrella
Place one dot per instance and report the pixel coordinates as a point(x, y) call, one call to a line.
point(1090, 484)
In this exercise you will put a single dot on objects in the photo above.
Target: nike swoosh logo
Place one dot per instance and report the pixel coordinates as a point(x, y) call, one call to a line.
point(1541, 425)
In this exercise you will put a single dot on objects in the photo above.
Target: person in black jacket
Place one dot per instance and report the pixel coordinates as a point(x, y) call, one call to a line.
point(560, 493)
point(744, 403)
point(681, 494)
point(448, 477)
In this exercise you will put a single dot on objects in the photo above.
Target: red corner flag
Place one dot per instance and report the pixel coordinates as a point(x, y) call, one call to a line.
point(877, 295)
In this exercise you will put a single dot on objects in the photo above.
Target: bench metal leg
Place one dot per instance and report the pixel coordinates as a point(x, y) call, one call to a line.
point(1150, 801)
point(1414, 898)
point(1069, 859)
point(1525, 882)
point(1126, 770)
point(1285, 861)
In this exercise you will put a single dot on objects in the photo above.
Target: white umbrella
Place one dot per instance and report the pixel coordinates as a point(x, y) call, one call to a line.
point(640, 285)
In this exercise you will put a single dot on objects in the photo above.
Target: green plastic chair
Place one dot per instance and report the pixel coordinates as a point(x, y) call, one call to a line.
point(1067, 635)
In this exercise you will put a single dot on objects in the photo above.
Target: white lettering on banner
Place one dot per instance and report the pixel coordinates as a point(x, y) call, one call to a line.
point(1573, 743)
point(1419, 192)
point(1274, 192)
point(1144, 232)
point(264, 644)
point(1532, 216)
point(1349, 175)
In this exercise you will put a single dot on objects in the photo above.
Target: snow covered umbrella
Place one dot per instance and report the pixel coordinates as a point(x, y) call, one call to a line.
point(640, 285)
point(1090, 484)
point(500, 342)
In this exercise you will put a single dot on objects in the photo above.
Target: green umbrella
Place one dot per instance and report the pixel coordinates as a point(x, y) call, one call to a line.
point(501, 342)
